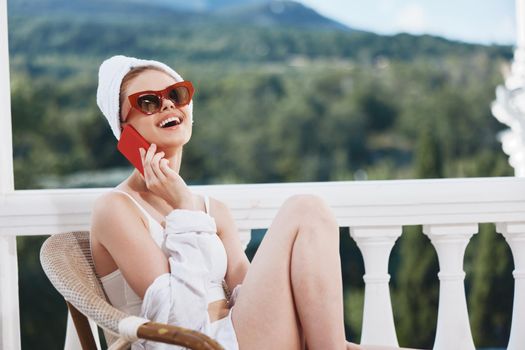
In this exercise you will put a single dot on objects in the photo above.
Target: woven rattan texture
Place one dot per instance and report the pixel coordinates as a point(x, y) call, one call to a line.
point(67, 262)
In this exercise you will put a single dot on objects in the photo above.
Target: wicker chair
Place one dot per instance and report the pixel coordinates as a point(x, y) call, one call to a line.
point(67, 262)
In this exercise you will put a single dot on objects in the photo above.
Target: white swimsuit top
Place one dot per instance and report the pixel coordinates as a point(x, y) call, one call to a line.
point(124, 298)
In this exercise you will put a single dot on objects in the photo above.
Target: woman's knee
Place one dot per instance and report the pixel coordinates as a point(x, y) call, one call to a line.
point(310, 209)
point(307, 204)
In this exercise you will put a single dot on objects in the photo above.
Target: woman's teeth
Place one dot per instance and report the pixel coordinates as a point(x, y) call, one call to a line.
point(170, 122)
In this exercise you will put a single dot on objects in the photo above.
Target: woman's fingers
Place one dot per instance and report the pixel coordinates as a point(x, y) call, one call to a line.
point(163, 164)
point(146, 155)
point(169, 172)
point(158, 175)
point(142, 152)
point(156, 167)
point(150, 153)
point(147, 158)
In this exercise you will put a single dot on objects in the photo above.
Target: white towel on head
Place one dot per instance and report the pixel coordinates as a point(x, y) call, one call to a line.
point(110, 75)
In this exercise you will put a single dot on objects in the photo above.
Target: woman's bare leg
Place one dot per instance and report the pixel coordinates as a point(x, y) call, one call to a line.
point(316, 279)
point(294, 283)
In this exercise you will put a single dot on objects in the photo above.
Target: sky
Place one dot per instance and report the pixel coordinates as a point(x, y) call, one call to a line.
point(476, 21)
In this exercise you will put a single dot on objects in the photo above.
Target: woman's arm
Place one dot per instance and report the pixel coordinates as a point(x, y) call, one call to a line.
point(227, 230)
point(117, 224)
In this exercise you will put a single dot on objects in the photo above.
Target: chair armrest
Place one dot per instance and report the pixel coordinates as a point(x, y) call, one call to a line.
point(170, 334)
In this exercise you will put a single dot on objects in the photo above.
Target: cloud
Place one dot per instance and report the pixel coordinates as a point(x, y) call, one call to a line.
point(411, 18)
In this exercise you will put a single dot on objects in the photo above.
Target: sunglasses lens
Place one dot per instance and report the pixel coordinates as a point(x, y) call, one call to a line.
point(180, 95)
point(149, 103)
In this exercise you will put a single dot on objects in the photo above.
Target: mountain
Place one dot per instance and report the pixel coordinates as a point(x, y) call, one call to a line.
point(280, 13)
point(93, 10)
point(80, 32)
point(256, 12)
point(195, 5)
point(200, 5)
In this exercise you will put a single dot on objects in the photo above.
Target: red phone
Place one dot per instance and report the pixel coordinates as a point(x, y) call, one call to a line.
point(129, 144)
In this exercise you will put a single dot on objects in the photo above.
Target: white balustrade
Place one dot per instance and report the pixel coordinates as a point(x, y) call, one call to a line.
point(376, 244)
point(453, 328)
point(374, 210)
point(514, 233)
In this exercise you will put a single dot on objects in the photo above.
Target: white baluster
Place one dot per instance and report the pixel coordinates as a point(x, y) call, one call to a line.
point(376, 244)
point(514, 233)
point(453, 328)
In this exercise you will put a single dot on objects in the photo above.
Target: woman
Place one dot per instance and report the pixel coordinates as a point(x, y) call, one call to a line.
point(291, 292)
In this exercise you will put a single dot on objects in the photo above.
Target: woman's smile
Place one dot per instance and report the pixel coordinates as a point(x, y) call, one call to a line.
point(170, 121)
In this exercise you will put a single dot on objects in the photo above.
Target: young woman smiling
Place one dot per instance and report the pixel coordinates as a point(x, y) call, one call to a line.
point(151, 233)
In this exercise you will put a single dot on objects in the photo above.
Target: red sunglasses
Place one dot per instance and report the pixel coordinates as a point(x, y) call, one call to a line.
point(150, 102)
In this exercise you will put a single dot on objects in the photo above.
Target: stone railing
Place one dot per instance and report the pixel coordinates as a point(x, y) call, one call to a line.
point(449, 210)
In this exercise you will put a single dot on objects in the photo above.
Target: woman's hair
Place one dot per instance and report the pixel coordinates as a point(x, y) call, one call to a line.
point(132, 74)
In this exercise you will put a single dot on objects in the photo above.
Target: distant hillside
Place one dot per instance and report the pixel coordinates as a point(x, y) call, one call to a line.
point(200, 5)
point(207, 38)
point(257, 12)
point(45, 34)
point(94, 10)
point(193, 5)
point(196, 5)
point(281, 13)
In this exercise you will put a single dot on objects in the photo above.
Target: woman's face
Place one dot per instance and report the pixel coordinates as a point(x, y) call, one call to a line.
point(149, 125)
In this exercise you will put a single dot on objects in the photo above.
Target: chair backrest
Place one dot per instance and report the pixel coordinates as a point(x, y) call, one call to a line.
point(67, 261)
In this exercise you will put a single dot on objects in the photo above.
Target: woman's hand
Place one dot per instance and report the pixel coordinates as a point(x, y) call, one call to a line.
point(164, 181)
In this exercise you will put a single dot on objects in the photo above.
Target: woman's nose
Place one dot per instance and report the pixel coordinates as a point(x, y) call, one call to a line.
point(167, 104)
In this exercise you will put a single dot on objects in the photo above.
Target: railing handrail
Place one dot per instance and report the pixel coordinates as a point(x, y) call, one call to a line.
point(355, 203)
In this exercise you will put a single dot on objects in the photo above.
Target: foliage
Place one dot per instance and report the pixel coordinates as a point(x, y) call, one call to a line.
point(43, 312)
